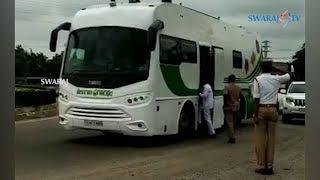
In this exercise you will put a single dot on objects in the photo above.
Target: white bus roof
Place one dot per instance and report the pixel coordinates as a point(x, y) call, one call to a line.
point(136, 15)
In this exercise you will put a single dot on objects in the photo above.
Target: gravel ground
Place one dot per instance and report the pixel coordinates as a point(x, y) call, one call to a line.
point(46, 151)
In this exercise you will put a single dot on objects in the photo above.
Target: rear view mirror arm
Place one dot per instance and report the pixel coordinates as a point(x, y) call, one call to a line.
point(54, 35)
point(152, 33)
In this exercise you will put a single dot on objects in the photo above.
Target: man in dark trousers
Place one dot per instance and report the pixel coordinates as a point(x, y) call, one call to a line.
point(265, 92)
point(231, 94)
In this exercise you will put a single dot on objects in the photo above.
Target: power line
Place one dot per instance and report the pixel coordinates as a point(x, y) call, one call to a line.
point(265, 48)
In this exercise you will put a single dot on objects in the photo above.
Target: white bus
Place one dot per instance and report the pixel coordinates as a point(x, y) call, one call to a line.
point(136, 68)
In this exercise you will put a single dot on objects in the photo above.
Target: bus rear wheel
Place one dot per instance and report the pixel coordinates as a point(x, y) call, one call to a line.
point(186, 123)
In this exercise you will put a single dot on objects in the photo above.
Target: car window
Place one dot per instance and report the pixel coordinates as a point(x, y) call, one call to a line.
point(297, 88)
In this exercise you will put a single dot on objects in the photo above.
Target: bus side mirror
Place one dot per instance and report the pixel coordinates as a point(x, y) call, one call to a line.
point(54, 35)
point(152, 34)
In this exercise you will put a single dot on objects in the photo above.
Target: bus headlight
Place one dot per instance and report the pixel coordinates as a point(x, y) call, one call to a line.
point(138, 99)
point(63, 97)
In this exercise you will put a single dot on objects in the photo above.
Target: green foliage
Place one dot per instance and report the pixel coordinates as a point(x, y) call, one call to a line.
point(33, 64)
point(34, 97)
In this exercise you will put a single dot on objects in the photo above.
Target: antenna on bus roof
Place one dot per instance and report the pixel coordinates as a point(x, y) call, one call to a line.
point(166, 1)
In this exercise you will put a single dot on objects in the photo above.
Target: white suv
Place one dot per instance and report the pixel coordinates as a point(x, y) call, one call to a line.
point(294, 102)
point(281, 97)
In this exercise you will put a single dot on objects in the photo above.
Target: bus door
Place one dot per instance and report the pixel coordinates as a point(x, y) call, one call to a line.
point(207, 70)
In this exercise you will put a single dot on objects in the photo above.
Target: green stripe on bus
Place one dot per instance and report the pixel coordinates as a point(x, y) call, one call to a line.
point(249, 101)
point(173, 79)
point(251, 76)
point(218, 92)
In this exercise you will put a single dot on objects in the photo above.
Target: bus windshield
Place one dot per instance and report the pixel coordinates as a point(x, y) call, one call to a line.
point(115, 56)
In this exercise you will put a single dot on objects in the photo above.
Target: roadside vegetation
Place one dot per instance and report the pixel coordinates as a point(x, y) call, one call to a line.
point(30, 68)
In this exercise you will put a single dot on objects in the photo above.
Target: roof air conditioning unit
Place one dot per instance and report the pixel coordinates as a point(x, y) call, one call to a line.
point(134, 1)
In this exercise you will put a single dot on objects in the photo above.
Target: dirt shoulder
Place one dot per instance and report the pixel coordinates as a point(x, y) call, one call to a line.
point(27, 113)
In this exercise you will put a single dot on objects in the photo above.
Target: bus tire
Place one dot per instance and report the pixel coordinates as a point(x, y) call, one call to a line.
point(186, 126)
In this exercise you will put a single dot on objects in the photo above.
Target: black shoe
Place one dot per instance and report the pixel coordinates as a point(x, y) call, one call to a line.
point(264, 171)
point(269, 171)
point(261, 171)
point(232, 141)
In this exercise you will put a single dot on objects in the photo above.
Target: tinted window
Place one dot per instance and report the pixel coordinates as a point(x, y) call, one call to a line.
point(237, 59)
point(297, 88)
point(188, 51)
point(168, 50)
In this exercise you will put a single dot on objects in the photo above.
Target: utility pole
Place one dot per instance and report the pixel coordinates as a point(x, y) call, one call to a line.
point(265, 49)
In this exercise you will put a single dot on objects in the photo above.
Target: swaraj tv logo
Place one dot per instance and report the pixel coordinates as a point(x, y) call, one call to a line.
point(283, 18)
point(54, 82)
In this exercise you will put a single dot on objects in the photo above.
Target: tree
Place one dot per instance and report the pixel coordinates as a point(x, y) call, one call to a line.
point(29, 63)
point(54, 65)
point(21, 59)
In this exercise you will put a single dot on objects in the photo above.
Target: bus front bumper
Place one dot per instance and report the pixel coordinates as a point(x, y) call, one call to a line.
point(131, 128)
point(105, 118)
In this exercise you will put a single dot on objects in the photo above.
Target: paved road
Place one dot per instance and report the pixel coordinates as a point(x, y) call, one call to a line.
point(46, 151)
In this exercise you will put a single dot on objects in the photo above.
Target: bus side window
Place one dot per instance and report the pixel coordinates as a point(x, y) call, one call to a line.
point(237, 60)
point(188, 51)
point(168, 50)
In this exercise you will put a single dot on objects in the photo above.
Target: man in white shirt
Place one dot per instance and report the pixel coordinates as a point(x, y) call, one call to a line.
point(265, 92)
point(207, 106)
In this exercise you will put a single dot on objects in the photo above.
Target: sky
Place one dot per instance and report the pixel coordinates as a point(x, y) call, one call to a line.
point(35, 19)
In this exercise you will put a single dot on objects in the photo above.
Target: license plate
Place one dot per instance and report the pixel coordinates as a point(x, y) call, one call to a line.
point(302, 110)
point(93, 123)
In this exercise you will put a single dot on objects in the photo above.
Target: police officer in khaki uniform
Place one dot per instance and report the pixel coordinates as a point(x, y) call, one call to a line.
point(231, 106)
point(265, 92)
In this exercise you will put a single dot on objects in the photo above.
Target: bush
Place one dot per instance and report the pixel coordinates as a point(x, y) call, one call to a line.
point(34, 97)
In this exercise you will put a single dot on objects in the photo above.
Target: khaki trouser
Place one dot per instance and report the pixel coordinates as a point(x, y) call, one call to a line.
point(265, 136)
point(231, 119)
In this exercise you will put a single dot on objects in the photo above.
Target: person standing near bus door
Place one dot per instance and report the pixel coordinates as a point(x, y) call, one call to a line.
point(231, 106)
point(265, 90)
point(207, 107)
